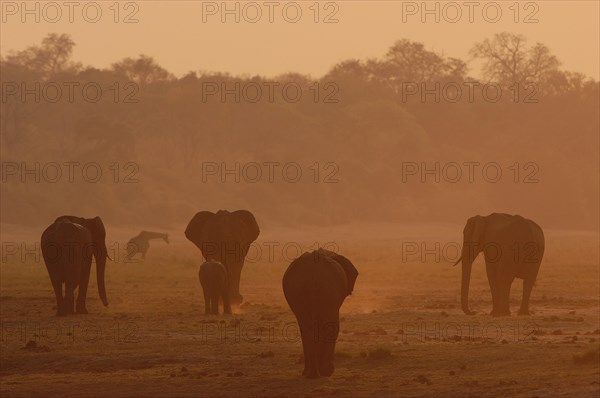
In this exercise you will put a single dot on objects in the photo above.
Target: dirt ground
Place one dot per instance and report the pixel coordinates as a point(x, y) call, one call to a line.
point(403, 333)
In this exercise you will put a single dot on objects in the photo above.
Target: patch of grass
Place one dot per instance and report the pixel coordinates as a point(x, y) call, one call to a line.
point(380, 353)
point(588, 357)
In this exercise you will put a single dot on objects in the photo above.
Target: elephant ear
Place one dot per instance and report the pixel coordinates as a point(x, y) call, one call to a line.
point(250, 222)
point(473, 232)
point(194, 230)
point(349, 269)
point(96, 227)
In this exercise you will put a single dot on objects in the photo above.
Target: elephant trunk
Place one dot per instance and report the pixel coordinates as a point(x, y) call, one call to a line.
point(467, 264)
point(100, 267)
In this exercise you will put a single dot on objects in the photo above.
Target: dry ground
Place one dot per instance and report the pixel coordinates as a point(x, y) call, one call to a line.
point(402, 331)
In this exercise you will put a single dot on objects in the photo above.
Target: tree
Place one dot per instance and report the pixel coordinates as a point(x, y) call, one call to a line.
point(49, 59)
point(143, 71)
point(508, 60)
point(410, 62)
point(27, 68)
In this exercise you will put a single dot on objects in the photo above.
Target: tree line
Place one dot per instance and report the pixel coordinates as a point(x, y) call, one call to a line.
point(409, 136)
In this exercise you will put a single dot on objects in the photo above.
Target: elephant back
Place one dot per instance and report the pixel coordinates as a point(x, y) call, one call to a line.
point(315, 272)
point(65, 231)
point(63, 237)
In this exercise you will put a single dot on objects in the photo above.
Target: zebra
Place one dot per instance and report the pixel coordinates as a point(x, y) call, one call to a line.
point(141, 243)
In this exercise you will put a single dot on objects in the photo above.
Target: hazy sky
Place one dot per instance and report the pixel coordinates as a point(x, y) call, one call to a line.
point(174, 33)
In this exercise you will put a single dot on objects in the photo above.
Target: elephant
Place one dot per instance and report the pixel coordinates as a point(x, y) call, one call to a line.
point(225, 237)
point(315, 286)
point(67, 247)
point(213, 278)
point(513, 247)
point(141, 243)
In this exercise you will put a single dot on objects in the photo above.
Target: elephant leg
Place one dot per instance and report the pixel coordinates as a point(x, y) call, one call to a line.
point(57, 286)
point(226, 302)
point(505, 282)
point(328, 334)
point(305, 355)
point(214, 301)
point(206, 302)
point(527, 287)
point(310, 347)
point(305, 344)
point(492, 276)
point(84, 280)
point(69, 300)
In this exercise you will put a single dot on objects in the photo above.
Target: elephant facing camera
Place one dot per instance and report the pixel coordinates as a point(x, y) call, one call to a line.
point(225, 237)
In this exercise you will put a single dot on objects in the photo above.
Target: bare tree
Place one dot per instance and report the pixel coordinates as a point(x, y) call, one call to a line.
point(508, 59)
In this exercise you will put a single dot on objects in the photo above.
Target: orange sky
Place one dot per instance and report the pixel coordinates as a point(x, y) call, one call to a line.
point(173, 32)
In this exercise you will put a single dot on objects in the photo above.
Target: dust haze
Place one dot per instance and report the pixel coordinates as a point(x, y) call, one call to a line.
point(390, 141)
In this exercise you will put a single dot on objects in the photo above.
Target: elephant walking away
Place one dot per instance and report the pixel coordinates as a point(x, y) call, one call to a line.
point(213, 278)
point(513, 247)
point(67, 247)
point(225, 237)
point(315, 286)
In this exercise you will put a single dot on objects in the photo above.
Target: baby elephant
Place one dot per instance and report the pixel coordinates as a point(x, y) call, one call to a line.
point(213, 278)
point(315, 286)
